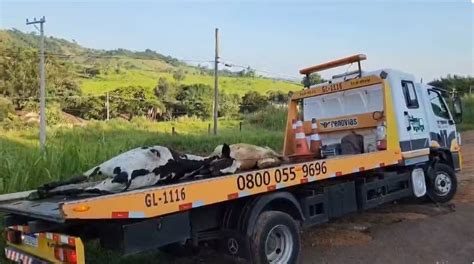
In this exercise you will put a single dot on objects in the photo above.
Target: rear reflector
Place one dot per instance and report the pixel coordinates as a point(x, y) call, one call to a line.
point(65, 254)
point(13, 236)
point(382, 144)
point(81, 208)
point(119, 214)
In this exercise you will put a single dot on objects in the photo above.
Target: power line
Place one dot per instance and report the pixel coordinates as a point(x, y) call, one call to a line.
point(125, 57)
point(229, 64)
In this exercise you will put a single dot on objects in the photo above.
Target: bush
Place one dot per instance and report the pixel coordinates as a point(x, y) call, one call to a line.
point(6, 107)
point(468, 109)
point(179, 75)
point(253, 101)
point(54, 114)
point(196, 100)
point(53, 111)
point(229, 105)
point(271, 118)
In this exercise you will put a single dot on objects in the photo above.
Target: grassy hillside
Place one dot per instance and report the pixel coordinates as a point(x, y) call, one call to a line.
point(233, 85)
point(120, 68)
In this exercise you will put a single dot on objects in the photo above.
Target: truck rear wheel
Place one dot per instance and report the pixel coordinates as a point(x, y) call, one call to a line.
point(276, 239)
point(442, 183)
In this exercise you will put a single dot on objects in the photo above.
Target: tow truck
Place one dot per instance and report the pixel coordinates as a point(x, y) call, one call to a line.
point(410, 148)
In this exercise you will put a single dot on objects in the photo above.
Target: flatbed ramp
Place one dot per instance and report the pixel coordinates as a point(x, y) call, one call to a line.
point(161, 200)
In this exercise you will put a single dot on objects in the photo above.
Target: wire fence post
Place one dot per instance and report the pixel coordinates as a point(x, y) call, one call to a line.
point(107, 103)
point(240, 126)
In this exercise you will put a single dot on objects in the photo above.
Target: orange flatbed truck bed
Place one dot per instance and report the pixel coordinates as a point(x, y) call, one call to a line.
point(255, 214)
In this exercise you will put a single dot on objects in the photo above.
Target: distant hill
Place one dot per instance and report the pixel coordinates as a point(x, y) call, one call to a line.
point(99, 71)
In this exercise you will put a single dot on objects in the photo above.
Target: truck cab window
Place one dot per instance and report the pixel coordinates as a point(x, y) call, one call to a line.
point(411, 99)
point(439, 106)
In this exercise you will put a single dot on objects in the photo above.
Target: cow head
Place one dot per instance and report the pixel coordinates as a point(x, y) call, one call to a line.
point(224, 164)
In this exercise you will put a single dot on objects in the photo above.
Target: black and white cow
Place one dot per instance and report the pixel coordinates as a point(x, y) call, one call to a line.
point(148, 166)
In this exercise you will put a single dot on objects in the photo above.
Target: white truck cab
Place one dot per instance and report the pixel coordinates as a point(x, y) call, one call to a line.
point(423, 117)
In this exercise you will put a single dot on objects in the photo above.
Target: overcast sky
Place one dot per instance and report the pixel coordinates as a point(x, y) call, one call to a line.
point(427, 38)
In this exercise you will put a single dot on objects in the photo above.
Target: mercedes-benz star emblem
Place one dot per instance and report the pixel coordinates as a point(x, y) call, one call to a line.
point(233, 246)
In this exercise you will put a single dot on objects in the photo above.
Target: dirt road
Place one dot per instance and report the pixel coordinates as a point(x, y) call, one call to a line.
point(407, 232)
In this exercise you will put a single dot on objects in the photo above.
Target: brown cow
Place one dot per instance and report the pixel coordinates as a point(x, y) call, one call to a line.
point(252, 156)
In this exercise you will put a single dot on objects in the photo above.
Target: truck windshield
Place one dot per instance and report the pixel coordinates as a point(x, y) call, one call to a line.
point(437, 103)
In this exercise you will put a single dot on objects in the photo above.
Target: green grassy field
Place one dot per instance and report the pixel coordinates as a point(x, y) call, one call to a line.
point(73, 150)
point(149, 79)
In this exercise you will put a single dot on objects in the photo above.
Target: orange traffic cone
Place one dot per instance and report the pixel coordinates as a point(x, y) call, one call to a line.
point(315, 139)
point(301, 145)
point(293, 125)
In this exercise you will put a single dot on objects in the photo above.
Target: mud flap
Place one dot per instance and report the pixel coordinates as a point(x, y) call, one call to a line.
point(418, 182)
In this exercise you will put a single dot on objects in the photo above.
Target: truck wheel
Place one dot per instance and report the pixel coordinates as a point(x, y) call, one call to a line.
point(442, 183)
point(276, 239)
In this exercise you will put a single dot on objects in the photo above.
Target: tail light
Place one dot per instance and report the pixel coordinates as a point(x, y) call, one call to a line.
point(382, 137)
point(13, 236)
point(65, 254)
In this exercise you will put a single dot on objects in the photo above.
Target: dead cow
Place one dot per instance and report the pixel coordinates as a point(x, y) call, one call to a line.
point(251, 156)
point(147, 166)
point(141, 167)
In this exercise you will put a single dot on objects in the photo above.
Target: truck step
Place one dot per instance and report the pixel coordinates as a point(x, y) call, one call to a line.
point(330, 201)
point(372, 192)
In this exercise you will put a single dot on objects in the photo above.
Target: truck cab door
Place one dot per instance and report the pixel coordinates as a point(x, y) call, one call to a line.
point(415, 119)
point(443, 129)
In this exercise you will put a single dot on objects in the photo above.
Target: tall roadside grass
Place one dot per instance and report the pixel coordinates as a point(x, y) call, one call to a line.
point(468, 113)
point(271, 118)
point(71, 151)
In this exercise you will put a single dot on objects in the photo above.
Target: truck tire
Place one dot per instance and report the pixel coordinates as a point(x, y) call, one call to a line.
point(441, 183)
point(276, 239)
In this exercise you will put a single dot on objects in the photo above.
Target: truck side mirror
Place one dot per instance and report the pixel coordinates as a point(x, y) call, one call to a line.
point(457, 109)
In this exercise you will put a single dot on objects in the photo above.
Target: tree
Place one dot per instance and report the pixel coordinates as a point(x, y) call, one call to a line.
point(134, 101)
point(253, 101)
point(250, 72)
point(89, 107)
point(179, 75)
point(19, 73)
point(229, 104)
point(196, 99)
point(247, 72)
point(314, 78)
point(162, 88)
point(462, 84)
point(91, 72)
point(277, 97)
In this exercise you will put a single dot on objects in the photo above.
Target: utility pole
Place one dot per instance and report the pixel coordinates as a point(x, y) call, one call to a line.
point(42, 134)
point(107, 106)
point(216, 82)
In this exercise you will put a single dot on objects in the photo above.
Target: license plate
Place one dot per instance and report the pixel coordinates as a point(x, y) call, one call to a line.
point(30, 240)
